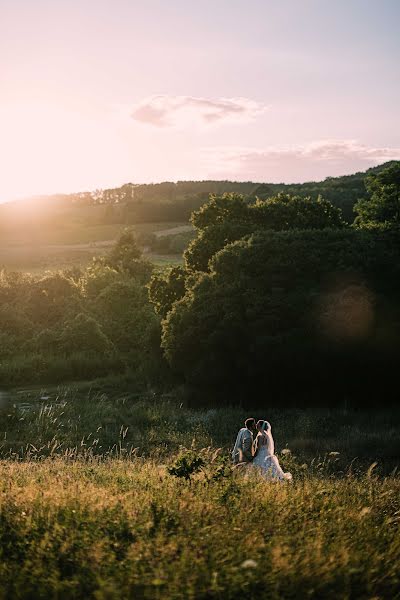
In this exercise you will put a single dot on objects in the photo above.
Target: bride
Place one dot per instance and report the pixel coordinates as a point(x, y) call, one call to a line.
point(264, 458)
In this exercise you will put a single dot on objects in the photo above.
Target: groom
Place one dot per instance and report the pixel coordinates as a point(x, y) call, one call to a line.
point(243, 449)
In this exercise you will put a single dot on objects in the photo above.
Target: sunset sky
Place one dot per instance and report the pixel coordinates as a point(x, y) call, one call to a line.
point(97, 93)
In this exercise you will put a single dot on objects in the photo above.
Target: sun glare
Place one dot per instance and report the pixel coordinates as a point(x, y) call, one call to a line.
point(45, 149)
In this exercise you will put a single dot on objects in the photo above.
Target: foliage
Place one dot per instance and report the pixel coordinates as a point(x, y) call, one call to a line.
point(97, 278)
point(230, 217)
point(166, 288)
point(128, 320)
point(126, 257)
point(83, 334)
point(280, 212)
point(343, 192)
point(212, 239)
point(124, 251)
point(51, 298)
point(276, 303)
point(382, 207)
point(232, 208)
point(82, 323)
point(186, 465)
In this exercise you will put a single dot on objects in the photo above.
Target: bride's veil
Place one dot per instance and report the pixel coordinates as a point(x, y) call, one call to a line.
point(266, 429)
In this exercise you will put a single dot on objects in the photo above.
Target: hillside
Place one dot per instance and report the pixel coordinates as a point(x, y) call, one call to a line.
point(341, 191)
point(163, 202)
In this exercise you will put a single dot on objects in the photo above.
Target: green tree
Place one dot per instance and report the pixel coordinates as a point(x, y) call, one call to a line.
point(52, 298)
point(382, 208)
point(83, 334)
point(285, 312)
point(128, 319)
point(126, 256)
point(220, 209)
point(167, 288)
point(228, 218)
point(97, 277)
point(284, 212)
point(212, 239)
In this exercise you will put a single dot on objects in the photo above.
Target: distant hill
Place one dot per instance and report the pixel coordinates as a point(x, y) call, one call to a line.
point(341, 191)
point(168, 201)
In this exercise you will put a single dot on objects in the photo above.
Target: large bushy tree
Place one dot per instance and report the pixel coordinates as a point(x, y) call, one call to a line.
point(382, 208)
point(166, 289)
point(126, 257)
point(225, 219)
point(300, 314)
point(230, 217)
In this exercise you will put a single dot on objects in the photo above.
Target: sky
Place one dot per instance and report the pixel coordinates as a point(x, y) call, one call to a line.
point(98, 93)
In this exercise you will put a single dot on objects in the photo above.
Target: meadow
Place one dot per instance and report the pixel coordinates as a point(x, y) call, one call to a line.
point(40, 249)
point(90, 509)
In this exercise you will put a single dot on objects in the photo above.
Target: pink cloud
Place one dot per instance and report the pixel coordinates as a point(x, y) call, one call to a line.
point(176, 111)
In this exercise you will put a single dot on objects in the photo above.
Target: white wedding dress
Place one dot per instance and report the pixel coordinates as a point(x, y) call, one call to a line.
point(265, 459)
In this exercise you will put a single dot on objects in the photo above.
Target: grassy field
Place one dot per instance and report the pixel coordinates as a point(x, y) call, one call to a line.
point(127, 529)
point(68, 415)
point(53, 248)
point(90, 510)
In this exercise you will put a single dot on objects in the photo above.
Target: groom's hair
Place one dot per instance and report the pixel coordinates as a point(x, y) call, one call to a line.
point(249, 423)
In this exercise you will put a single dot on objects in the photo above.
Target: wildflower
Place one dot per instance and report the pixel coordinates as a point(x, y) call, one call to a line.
point(249, 564)
point(286, 451)
point(334, 453)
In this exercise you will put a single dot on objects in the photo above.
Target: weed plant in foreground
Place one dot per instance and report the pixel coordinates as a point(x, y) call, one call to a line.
point(128, 529)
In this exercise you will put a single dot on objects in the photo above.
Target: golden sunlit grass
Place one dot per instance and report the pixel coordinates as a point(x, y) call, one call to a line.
point(127, 529)
point(88, 508)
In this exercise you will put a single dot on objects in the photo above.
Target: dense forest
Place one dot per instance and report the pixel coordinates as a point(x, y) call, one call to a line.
point(277, 296)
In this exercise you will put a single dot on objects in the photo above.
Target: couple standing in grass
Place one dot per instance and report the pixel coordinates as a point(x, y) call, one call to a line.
point(259, 452)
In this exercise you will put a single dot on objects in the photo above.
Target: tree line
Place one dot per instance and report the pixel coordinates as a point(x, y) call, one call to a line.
point(175, 202)
point(171, 201)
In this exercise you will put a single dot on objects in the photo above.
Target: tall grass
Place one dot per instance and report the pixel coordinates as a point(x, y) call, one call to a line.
point(88, 508)
point(159, 425)
point(126, 529)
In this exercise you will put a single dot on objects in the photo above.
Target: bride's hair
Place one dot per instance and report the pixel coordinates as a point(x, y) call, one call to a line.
point(265, 432)
point(263, 425)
